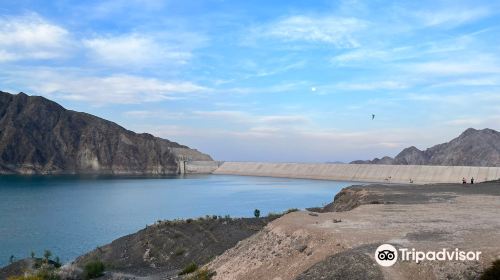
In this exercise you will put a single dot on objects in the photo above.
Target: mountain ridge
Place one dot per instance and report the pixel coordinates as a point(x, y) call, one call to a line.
point(39, 136)
point(472, 147)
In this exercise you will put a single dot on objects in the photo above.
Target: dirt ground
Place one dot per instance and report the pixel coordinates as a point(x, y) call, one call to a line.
point(307, 245)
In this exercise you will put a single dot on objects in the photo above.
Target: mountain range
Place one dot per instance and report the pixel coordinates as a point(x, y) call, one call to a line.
point(39, 136)
point(472, 148)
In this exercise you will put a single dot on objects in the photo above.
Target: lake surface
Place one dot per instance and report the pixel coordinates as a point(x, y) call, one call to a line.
point(71, 215)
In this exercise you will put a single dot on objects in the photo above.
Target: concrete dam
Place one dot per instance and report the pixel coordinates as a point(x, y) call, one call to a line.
point(418, 174)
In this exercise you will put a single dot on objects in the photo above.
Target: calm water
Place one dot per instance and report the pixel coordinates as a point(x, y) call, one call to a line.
point(72, 215)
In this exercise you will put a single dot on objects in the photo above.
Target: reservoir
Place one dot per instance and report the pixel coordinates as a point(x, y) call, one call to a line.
point(70, 215)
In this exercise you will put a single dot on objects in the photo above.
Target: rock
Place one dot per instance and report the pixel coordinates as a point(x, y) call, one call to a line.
point(349, 265)
point(38, 136)
point(300, 247)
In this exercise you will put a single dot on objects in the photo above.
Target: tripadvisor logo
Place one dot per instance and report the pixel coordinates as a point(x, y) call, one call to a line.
point(387, 255)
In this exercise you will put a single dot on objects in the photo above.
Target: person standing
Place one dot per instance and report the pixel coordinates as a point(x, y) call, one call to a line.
point(472, 180)
point(464, 181)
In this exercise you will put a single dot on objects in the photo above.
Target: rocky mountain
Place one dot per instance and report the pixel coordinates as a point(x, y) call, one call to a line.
point(472, 148)
point(38, 136)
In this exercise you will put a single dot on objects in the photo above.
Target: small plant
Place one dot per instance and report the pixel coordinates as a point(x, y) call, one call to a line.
point(191, 267)
point(48, 274)
point(214, 217)
point(46, 255)
point(256, 213)
point(57, 262)
point(492, 272)
point(93, 269)
point(189, 220)
point(227, 217)
point(26, 277)
point(273, 215)
point(202, 274)
point(11, 259)
point(291, 210)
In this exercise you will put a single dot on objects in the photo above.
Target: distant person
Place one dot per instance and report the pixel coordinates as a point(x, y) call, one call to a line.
point(464, 181)
point(472, 180)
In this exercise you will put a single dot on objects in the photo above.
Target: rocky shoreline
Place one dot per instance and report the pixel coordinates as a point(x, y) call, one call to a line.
point(337, 241)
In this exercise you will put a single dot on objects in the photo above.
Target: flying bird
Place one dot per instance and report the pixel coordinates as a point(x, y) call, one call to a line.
point(373, 117)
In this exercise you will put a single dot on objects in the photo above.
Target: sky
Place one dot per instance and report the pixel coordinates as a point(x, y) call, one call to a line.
point(291, 81)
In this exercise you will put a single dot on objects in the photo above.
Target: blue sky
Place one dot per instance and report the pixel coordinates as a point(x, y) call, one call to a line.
point(264, 80)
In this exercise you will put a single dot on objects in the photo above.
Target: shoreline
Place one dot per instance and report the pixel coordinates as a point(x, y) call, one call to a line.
point(353, 209)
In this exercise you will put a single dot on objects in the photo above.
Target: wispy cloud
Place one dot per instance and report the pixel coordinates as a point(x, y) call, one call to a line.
point(255, 119)
point(31, 37)
point(98, 90)
point(337, 31)
point(139, 50)
point(478, 65)
point(159, 115)
point(452, 16)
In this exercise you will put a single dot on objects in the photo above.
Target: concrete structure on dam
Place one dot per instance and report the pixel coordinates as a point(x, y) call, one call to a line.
point(198, 167)
point(418, 174)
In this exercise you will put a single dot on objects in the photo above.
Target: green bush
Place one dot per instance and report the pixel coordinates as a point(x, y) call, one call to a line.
point(28, 277)
point(202, 274)
point(47, 254)
point(256, 213)
point(492, 272)
point(48, 274)
point(191, 267)
point(93, 269)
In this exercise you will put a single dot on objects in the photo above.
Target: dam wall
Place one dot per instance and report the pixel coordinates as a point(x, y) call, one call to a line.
point(418, 174)
point(199, 167)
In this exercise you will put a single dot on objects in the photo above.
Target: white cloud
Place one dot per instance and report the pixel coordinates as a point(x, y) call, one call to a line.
point(338, 31)
point(147, 114)
point(255, 120)
point(31, 37)
point(376, 85)
point(360, 55)
point(74, 85)
point(135, 50)
point(285, 119)
point(452, 16)
point(455, 67)
point(232, 116)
